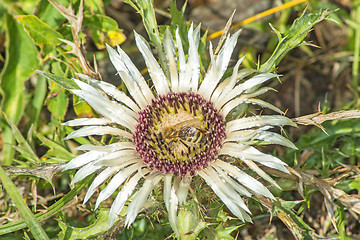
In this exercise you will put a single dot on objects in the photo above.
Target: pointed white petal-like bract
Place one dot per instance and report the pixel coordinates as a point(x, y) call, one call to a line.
point(113, 161)
point(227, 189)
point(141, 196)
point(247, 152)
point(226, 89)
point(115, 182)
point(265, 159)
point(119, 154)
point(218, 67)
point(130, 77)
point(87, 122)
point(167, 189)
point(227, 84)
point(156, 73)
point(112, 91)
point(262, 103)
point(252, 82)
point(123, 195)
point(193, 59)
point(85, 171)
point(257, 121)
point(135, 75)
point(107, 148)
point(184, 80)
point(225, 110)
point(182, 63)
point(274, 138)
point(243, 136)
point(240, 189)
point(169, 49)
point(173, 206)
point(216, 188)
point(243, 178)
point(109, 109)
point(83, 159)
point(98, 130)
point(260, 172)
point(183, 189)
point(98, 181)
point(262, 134)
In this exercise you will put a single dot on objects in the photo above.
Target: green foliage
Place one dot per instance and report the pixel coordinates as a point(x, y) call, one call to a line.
point(177, 21)
point(41, 33)
point(53, 209)
point(104, 29)
point(297, 226)
point(21, 60)
point(29, 218)
point(98, 227)
point(293, 37)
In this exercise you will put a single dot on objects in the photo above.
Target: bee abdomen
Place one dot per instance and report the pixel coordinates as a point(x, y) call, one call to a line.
point(192, 135)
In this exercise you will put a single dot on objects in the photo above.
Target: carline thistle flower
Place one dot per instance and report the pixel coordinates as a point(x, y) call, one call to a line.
point(179, 130)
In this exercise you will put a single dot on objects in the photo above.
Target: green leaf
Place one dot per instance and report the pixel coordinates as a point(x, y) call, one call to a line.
point(36, 104)
point(293, 222)
point(224, 232)
point(100, 22)
point(190, 225)
point(294, 37)
point(178, 21)
point(28, 217)
point(58, 102)
point(23, 146)
point(100, 225)
point(56, 150)
point(82, 108)
point(49, 14)
point(104, 29)
point(96, 6)
point(21, 59)
point(65, 82)
point(40, 32)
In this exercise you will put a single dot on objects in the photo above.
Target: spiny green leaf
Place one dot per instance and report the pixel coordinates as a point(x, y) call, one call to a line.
point(178, 21)
point(224, 232)
point(65, 82)
point(55, 148)
point(292, 38)
point(294, 223)
point(23, 146)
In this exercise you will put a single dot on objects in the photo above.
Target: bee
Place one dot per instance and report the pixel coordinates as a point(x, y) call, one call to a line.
point(189, 133)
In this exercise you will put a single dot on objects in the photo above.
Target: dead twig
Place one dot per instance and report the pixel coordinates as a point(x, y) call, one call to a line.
point(318, 118)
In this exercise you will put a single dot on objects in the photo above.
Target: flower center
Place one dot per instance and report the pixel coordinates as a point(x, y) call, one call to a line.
point(179, 133)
